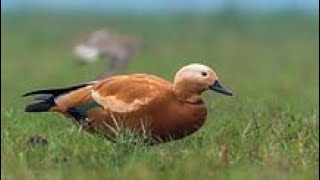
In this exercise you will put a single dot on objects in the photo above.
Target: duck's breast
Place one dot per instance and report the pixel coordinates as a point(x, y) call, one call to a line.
point(178, 120)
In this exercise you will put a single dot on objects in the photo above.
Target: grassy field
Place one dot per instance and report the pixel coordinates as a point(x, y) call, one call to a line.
point(271, 126)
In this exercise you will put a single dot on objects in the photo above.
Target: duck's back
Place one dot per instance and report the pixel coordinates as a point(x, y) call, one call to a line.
point(130, 88)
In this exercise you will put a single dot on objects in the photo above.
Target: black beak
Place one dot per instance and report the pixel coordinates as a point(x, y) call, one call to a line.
point(218, 87)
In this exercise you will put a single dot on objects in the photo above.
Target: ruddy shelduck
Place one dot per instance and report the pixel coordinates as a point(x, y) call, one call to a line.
point(168, 111)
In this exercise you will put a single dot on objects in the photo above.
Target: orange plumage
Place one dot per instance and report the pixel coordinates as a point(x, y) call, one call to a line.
point(169, 111)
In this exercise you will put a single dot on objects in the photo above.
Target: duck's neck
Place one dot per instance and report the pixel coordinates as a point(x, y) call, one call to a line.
point(187, 94)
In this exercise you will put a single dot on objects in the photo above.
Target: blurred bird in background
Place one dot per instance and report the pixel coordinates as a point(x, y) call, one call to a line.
point(109, 45)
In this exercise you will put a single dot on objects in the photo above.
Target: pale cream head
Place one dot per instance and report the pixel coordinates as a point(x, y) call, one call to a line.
point(191, 80)
point(198, 76)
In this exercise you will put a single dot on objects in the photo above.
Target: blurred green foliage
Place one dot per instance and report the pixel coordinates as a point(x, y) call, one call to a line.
point(271, 126)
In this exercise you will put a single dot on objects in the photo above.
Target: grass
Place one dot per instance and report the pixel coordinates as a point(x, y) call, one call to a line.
point(270, 128)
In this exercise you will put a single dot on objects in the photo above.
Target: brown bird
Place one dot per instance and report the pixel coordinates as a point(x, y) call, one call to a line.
point(169, 111)
point(106, 44)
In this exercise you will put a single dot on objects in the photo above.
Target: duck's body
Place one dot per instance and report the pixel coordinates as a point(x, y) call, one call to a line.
point(138, 102)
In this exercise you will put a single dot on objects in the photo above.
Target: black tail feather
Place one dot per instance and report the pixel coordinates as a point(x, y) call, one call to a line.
point(47, 97)
point(43, 106)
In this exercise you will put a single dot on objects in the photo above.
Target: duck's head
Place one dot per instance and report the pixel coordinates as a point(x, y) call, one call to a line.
point(193, 79)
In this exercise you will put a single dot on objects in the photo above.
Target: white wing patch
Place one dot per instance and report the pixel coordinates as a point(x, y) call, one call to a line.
point(115, 105)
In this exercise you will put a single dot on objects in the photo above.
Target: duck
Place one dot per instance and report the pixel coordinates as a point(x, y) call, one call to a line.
point(138, 102)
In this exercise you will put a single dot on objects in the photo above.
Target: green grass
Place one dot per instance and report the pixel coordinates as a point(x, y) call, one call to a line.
point(271, 126)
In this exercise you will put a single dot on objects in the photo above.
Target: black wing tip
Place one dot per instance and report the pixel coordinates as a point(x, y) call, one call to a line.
point(30, 93)
point(26, 94)
point(55, 92)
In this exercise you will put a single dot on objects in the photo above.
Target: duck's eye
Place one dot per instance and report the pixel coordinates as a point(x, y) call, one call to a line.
point(204, 74)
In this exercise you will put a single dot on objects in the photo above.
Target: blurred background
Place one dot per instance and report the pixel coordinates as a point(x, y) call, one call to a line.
point(266, 48)
point(266, 51)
